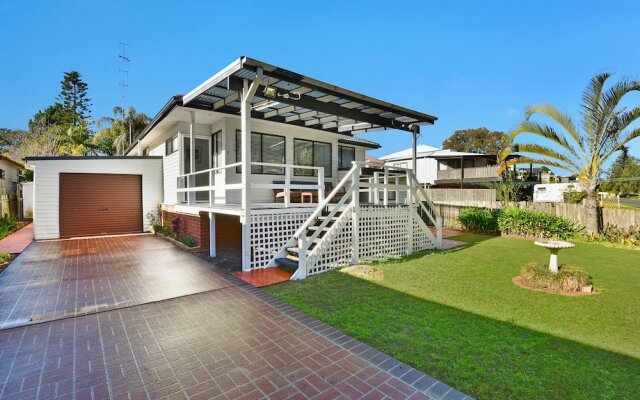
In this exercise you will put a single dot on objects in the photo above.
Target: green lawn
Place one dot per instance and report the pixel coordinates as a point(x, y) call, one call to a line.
point(457, 316)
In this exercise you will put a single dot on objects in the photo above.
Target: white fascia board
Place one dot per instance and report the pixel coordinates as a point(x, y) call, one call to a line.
point(214, 80)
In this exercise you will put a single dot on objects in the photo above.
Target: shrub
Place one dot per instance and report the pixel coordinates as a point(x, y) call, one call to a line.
point(176, 224)
point(153, 217)
point(523, 222)
point(568, 278)
point(573, 197)
point(188, 241)
point(612, 234)
point(157, 227)
point(4, 258)
point(7, 225)
point(479, 219)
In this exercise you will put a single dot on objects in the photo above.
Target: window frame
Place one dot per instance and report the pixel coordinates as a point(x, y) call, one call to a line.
point(170, 143)
point(346, 167)
point(313, 157)
point(254, 168)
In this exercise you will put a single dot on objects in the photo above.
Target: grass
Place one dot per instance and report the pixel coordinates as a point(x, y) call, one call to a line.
point(457, 316)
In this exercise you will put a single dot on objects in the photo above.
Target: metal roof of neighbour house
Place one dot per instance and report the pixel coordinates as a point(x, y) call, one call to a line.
point(291, 98)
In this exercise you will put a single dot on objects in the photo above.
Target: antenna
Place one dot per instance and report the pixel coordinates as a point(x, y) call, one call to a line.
point(124, 74)
point(124, 78)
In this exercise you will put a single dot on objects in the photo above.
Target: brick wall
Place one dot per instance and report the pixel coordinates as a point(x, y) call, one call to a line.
point(228, 229)
point(190, 225)
point(228, 232)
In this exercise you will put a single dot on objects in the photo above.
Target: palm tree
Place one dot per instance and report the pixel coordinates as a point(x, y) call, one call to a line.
point(606, 129)
point(115, 138)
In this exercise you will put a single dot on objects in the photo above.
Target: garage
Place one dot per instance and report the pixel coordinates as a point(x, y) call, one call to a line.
point(100, 204)
point(94, 195)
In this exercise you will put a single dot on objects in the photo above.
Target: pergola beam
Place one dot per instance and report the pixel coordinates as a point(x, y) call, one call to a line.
point(336, 109)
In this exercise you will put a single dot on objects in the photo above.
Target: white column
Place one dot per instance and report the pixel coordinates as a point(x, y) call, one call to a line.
point(245, 134)
point(411, 208)
point(192, 157)
point(355, 210)
point(212, 234)
point(245, 152)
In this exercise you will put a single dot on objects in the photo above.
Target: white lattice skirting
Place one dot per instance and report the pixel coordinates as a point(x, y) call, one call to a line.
point(271, 229)
point(383, 234)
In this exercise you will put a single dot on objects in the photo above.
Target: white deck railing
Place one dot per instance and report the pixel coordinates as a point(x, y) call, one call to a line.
point(187, 182)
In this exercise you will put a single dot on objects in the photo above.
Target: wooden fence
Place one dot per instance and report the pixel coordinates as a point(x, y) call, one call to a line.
point(575, 212)
point(463, 197)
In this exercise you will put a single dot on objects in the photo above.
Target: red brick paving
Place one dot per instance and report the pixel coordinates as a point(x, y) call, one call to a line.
point(62, 278)
point(232, 342)
point(17, 241)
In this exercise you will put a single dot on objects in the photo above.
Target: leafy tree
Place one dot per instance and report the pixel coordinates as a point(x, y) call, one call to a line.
point(52, 115)
point(9, 138)
point(114, 139)
point(478, 140)
point(606, 129)
point(73, 99)
point(623, 168)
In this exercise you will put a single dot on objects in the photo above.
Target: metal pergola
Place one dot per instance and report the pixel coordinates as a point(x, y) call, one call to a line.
point(287, 97)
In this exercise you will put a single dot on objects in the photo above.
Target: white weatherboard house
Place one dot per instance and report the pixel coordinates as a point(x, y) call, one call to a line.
point(257, 158)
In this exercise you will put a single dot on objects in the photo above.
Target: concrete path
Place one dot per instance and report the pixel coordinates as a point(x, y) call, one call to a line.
point(226, 340)
point(18, 241)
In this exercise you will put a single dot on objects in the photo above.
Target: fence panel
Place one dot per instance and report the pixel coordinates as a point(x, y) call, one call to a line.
point(576, 212)
point(463, 197)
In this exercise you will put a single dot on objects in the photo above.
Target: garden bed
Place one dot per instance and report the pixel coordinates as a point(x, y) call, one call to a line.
point(178, 243)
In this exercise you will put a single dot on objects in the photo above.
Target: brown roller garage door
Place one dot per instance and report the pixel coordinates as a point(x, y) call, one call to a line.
point(100, 204)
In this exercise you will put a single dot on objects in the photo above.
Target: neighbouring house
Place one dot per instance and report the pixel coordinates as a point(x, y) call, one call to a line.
point(9, 173)
point(447, 168)
point(256, 159)
point(9, 178)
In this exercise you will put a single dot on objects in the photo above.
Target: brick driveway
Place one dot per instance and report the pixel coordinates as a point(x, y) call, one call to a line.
point(224, 340)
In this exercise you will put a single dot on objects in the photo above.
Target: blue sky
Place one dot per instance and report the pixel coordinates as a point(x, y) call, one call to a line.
point(469, 63)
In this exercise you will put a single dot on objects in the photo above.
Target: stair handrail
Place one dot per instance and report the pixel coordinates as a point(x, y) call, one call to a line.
point(318, 211)
point(431, 212)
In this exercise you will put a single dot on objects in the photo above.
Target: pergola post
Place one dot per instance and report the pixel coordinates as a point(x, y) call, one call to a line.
point(414, 149)
point(245, 134)
point(212, 234)
point(191, 196)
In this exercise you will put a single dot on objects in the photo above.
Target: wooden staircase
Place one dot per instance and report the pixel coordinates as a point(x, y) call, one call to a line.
point(302, 254)
point(291, 260)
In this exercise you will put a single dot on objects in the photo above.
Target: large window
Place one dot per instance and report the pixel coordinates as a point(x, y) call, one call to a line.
point(313, 154)
point(264, 148)
point(345, 156)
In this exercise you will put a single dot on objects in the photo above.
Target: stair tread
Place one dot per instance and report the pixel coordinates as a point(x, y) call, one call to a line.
point(287, 262)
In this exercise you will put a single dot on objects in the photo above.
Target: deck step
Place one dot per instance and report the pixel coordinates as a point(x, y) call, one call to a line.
point(316, 227)
point(286, 262)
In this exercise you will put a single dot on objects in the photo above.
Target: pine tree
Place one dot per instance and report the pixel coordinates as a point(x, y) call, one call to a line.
point(73, 98)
